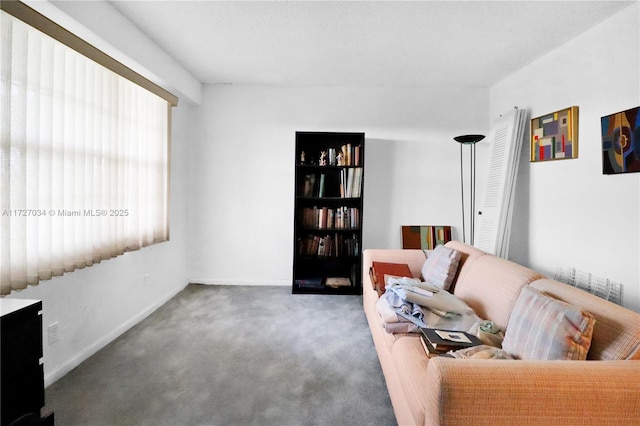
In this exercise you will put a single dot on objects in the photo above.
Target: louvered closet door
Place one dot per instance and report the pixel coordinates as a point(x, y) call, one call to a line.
point(493, 218)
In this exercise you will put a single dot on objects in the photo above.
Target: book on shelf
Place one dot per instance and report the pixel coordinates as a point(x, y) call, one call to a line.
point(449, 340)
point(336, 282)
point(321, 185)
point(358, 182)
point(321, 247)
point(308, 185)
point(332, 156)
point(351, 182)
point(323, 214)
point(314, 282)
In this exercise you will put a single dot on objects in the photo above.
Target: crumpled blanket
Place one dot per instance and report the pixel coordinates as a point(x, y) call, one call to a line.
point(440, 300)
point(399, 315)
point(403, 305)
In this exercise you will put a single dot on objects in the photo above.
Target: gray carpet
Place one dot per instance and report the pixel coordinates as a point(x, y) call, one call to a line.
point(229, 355)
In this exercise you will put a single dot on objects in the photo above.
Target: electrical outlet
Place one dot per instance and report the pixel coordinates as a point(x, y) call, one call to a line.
point(53, 332)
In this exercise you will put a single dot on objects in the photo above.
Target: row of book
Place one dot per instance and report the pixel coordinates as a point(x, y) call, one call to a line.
point(330, 245)
point(348, 186)
point(331, 218)
point(320, 282)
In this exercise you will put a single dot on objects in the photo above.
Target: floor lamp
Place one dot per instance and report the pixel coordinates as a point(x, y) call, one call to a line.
point(471, 141)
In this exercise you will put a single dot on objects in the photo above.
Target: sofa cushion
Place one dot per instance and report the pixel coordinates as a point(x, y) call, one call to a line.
point(411, 363)
point(491, 285)
point(441, 266)
point(543, 328)
point(468, 255)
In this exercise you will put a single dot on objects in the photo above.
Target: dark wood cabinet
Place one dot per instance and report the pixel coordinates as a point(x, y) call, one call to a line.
point(328, 212)
point(21, 375)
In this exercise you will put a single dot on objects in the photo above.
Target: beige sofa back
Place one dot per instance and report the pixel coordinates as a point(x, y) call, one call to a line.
point(616, 334)
point(489, 284)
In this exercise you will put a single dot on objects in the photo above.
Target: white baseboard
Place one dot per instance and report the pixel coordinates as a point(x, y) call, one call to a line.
point(87, 352)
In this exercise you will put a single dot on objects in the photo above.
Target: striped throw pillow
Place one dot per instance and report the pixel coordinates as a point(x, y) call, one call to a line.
point(544, 328)
point(441, 266)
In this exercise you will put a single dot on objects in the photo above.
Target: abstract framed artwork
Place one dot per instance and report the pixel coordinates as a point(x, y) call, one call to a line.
point(554, 136)
point(621, 142)
point(425, 237)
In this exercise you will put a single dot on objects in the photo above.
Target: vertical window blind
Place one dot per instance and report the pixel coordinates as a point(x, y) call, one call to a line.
point(84, 160)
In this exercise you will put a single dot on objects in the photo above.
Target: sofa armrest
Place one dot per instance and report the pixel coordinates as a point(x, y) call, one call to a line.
point(493, 392)
point(414, 258)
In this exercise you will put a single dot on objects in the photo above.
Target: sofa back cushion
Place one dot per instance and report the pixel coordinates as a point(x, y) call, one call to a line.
point(616, 334)
point(467, 255)
point(490, 285)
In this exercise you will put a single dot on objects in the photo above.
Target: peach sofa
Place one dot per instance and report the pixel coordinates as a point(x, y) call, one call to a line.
point(604, 390)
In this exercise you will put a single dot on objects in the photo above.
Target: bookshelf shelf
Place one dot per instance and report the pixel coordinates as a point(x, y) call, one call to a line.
point(329, 181)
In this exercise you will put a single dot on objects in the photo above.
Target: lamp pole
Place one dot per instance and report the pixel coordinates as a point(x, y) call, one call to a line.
point(471, 141)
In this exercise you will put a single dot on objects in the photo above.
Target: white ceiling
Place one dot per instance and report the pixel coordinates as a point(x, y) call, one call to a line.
point(365, 43)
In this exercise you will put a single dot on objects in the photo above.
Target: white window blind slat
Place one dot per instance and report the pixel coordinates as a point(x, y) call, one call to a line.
point(84, 160)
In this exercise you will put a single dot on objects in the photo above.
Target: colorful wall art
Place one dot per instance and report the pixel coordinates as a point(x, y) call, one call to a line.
point(555, 136)
point(621, 142)
point(425, 237)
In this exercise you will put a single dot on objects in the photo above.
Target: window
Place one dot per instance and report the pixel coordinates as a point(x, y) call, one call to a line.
point(84, 154)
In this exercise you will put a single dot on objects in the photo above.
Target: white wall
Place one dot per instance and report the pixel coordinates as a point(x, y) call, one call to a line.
point(242, 168)
point(94, 305)
point(569, 214)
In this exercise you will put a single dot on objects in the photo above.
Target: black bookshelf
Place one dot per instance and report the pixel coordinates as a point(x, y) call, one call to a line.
point(329, 183)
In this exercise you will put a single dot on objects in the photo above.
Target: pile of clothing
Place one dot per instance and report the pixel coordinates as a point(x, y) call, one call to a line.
point(406, 302)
